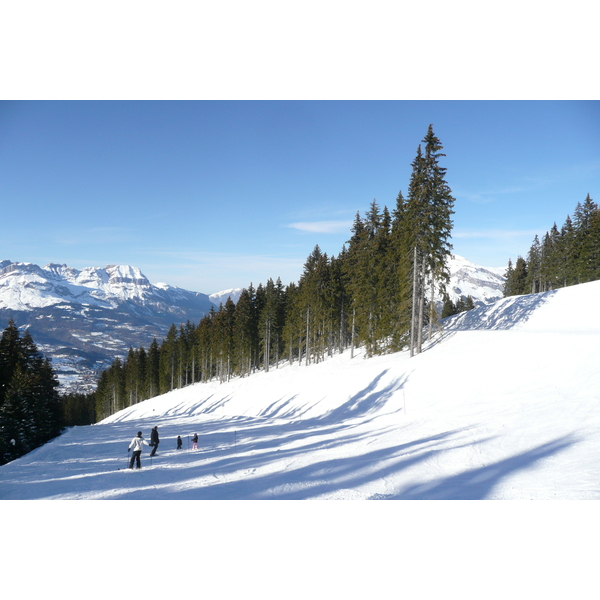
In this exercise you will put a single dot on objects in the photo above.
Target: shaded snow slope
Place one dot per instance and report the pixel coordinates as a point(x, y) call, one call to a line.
point(505, 404)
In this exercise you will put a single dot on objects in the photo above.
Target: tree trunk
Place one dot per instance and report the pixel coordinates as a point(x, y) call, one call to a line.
point(431, 310)
point(307, 359)
point(352, 335)
point(421, 309)
point(413, 318)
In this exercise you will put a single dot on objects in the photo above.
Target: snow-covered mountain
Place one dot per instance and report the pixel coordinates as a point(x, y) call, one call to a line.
point(83, 319)
point(483, 284)
point(25, 287)
point(219, 298)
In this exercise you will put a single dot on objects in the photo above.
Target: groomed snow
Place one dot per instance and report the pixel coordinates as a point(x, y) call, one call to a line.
point(505, 405)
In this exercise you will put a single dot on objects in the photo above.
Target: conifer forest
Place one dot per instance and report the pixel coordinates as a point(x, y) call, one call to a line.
point(377, 293)
point(30, 407)
point(566, 257)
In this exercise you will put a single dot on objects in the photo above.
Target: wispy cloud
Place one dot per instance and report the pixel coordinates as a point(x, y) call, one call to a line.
point(322, 226)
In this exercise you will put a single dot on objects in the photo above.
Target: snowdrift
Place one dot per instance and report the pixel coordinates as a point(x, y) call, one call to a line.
point(504, 403)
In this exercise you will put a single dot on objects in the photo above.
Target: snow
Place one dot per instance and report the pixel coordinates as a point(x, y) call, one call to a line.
point(505, 405)
point(483, 284)
point(24, 286)
point(221, 297)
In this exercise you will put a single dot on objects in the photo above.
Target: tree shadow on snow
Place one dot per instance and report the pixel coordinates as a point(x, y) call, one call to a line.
point(477, 484)
point(502, 315)
point(260, 458)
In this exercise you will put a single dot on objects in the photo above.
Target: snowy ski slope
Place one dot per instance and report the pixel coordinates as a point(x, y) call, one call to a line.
point(504, 405)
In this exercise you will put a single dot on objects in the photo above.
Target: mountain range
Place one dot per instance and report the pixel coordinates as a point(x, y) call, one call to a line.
point(83, 319)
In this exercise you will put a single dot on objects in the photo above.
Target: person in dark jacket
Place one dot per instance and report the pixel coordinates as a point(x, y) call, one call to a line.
point(137, 444)
point(154, 440)
point(179, 442)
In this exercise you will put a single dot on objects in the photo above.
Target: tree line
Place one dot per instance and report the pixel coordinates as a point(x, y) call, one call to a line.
point(30, 409)
point(378, 293)
point(563, 257)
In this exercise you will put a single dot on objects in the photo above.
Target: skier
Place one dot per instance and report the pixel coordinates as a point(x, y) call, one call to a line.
point(154, 440)
point(136, 444)
point(195, 442)
point(179, 442)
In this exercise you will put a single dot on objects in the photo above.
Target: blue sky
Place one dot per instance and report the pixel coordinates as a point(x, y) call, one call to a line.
point(209, 195)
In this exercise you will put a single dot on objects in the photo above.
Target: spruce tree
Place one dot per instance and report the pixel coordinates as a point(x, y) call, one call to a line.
point(30, 412)
point(243, 333)
point(427, 227)
point(152, 377)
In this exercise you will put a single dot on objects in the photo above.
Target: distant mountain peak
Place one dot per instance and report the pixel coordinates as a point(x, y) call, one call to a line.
point(483, 284)
point(83, 319)
point(221, 297)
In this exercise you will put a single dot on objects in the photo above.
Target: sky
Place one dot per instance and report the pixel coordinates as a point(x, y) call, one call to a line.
point(212, 195)
point(213, 146)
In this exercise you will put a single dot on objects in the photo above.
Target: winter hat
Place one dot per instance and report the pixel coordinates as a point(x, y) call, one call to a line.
point(139, 434)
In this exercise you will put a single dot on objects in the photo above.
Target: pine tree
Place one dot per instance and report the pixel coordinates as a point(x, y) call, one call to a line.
point(30, 413)
point(169, 358)
point(509, 276)
point(400, 259)
point(593, 249)
point(586, 247)
point(244, 333)
point(293, 329)
point(224, 339)
point(566, 253)
point(269, 321)
point(152, 377)
point(427, 227)
point(534, 260)
point(352, 271)
point(448, 307)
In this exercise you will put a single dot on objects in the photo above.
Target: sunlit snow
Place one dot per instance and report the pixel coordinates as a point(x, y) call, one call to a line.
point(504, 405)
